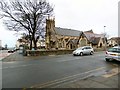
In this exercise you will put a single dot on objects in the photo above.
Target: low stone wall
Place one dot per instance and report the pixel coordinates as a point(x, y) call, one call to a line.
point(99, 49)
point(53, 52)
point(44, 53)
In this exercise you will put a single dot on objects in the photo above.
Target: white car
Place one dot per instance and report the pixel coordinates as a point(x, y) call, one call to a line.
point(83, 50)
point(113, 54)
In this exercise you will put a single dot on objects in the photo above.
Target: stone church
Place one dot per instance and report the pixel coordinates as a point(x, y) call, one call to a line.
point(63, 38)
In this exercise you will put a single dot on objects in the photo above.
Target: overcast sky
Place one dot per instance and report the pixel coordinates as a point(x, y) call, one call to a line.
point(80, 15)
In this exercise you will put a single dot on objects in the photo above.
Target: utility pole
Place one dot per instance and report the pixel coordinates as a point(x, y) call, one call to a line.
point(104, 39)
point(0, 44)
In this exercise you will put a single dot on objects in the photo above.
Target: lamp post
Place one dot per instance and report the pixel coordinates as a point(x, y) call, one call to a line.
point(104, 39)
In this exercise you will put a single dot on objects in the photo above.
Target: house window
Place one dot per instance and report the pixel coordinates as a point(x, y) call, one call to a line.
point(71, 46)
point(100, 44)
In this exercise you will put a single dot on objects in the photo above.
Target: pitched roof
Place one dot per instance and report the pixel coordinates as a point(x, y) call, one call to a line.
point(67, 32)
point(90, 35)
point(73, 41)
point(22, 40)
point(95, 40)
point(115, 38)
point(89, 31)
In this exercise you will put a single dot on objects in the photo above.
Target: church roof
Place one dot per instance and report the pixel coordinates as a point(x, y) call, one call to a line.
point(67, 32)
point(89, 31)
point(95, 40)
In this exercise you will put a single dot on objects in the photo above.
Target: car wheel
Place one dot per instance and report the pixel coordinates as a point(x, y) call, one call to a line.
point(74, 55)
point(81, 53)
point(91, 53)
point(107, 59)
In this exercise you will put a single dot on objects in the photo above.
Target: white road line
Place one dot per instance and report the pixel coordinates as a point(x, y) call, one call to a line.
point(73, 59)
point(67, 60)
point(64, 79)
point(18, 66)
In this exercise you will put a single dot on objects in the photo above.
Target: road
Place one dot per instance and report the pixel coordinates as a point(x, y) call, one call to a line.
point(49, 70)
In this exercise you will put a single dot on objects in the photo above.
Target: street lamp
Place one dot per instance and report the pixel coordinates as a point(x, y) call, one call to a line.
point(104, 39)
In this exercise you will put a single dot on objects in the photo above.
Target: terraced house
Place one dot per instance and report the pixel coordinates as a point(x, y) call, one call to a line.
point(63, 38)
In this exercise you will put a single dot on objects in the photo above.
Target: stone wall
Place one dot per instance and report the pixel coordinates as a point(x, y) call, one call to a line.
point(45, 53)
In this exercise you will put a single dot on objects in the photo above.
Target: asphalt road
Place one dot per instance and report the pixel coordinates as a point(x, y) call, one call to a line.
point(48, 69)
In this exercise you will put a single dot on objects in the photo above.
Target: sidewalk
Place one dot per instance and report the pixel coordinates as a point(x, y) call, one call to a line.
point(18, 57)
point(102, 81)
point(94, 82)
point(14, 57)
point(3, 55)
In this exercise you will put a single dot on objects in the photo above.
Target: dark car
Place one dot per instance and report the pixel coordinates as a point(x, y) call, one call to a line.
point(11, 51)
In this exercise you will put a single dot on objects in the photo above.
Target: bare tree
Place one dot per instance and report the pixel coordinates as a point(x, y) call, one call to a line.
point(26, 15)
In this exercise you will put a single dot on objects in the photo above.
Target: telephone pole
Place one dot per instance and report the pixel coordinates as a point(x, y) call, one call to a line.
point(104, 39)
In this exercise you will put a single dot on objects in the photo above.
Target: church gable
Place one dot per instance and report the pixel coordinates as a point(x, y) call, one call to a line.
point(82, 40)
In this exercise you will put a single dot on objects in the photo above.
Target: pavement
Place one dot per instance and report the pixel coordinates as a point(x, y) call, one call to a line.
point(9, 57)
point(109, 79)
point(94, 82)
point(3, 55)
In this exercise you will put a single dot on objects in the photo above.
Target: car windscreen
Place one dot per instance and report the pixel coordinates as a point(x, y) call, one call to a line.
point(117, 50)
point(79, 48)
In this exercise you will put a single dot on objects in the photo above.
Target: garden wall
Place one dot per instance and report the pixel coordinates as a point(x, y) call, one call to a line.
point(44, 53)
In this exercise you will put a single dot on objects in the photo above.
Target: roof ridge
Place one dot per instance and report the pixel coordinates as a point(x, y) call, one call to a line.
point(69, 29)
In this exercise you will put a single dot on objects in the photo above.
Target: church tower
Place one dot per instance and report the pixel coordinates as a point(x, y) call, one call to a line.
point(50, 32)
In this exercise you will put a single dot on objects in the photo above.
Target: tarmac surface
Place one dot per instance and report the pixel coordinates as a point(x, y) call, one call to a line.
point(108, 79)
point(94, 82)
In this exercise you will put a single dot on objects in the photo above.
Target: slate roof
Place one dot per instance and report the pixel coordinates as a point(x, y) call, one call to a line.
point(67, 32)
point(116, 39)
point(90, 31)
point(22, 40)
point(74, 41)
point(95, 40)
point(90, 35)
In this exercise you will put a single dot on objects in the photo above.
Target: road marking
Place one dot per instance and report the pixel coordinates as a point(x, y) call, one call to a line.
point(111, 73)
point(51, 55)
point(57, 81)
point(17, 66)
point(9, 62)
point(68, 60)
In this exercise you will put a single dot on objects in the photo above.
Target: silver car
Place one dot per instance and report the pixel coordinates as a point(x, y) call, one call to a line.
point(113, 54)
point(83, 50)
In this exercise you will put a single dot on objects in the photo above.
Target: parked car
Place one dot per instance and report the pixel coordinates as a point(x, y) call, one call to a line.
point(84, 50)
point(11, 50)
point(113, 54)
